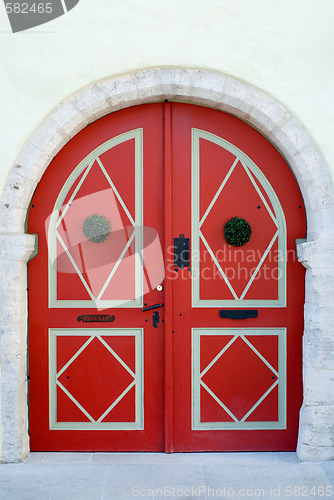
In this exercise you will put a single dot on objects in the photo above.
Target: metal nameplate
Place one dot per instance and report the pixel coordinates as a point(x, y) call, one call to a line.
point(96, 318)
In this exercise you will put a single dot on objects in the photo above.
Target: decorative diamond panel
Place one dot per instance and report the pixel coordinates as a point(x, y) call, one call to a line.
point(106, 273)
point(239, 198)
point(96, 379)
point(255, 273)
point(239, 378)
point(242, 383)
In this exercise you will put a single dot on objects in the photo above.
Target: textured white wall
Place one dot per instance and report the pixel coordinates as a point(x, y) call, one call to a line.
point(283, 47)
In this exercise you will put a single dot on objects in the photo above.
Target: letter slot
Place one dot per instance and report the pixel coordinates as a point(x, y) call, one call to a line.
point(238, 313)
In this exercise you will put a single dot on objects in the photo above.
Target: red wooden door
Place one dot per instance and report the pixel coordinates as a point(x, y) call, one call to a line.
point(241, 378)
point(107, 371)
point(96, 360)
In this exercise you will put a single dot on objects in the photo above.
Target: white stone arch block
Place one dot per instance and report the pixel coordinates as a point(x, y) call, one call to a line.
point(316, 430)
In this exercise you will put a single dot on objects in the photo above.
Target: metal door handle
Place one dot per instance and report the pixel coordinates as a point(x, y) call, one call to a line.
point(152, 307)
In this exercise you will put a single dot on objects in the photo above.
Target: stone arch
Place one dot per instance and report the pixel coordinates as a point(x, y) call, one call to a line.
point(203, 87)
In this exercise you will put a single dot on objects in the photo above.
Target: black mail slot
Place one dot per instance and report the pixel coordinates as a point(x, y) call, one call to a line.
point(238, 314)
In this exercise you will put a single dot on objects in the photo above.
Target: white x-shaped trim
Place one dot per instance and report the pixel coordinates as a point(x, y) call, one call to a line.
point(74, 357)
point(217, 399)
point(209, 249)
point(126, 247)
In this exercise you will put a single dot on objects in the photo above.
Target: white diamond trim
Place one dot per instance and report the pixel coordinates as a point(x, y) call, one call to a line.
point(114, 269)
point(79, 351)
point(214, 199)
point(218, 356)
point(137, 382)
point(264, 256)
point(64, 212)
point(197, 381)
point(265, 361)
point(210, 391)
point(68, 253)
point(219, 401)
point(253, 172)
point(116, 357)
point(260, 193)
point(84, 166)
point(213, 257)
point(75, 401)
point(120, 397)
point(113, 187)
point(107, 346)
point(262, 398)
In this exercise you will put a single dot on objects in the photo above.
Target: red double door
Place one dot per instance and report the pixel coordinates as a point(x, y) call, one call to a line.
point(149, 329)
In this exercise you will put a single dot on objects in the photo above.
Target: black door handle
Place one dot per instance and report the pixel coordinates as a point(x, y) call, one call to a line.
point(155, 306)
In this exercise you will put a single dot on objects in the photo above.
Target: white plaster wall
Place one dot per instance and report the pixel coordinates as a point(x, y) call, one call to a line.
point(283, 47)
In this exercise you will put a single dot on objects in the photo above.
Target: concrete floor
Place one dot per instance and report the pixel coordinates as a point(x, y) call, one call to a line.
point(122, 476)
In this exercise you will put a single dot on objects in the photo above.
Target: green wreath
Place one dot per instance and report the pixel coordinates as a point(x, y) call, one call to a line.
point(237, 232)
point(96, 228)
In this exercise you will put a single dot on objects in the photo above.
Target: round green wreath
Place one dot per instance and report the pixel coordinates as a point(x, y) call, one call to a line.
point(237, 232)
point(96, 228)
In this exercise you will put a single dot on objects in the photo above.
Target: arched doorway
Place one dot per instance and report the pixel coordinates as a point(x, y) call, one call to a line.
point(166, 299)
point(219, 92)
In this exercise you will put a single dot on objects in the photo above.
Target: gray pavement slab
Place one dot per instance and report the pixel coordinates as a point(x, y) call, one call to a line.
point(123, 476)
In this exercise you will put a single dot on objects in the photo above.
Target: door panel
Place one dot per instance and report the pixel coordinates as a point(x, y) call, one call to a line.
point(247, 389)
point(254, 277)
point(93, 385)
point(242, 379)
point(116, 363)
point(83, 362)
point(95, 184)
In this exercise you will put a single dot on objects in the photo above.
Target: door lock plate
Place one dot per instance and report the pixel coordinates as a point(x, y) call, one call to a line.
point(181, 252)
point(155, 319)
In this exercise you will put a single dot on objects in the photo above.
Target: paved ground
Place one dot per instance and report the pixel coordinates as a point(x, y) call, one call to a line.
point(123, 476)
